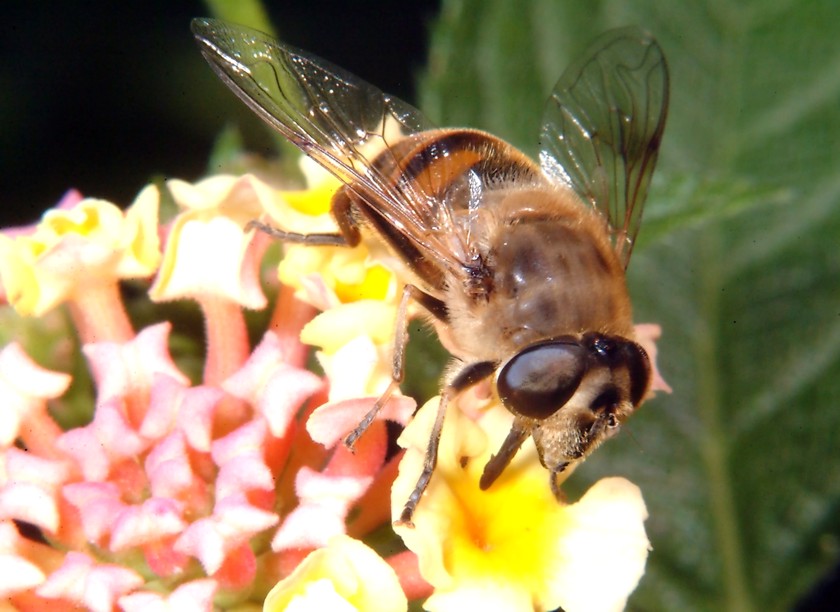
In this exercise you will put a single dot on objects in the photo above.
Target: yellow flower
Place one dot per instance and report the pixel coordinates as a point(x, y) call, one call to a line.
point(358, 295)
point(346, 575)
point(328, 276)
point(208, 251)
point(312, 202)
point(325, 276)
point(514, 546)
point(357, 342)
point(336, 327)
point(93, 242)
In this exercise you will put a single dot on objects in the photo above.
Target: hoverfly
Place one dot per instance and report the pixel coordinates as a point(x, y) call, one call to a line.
point(519, 265)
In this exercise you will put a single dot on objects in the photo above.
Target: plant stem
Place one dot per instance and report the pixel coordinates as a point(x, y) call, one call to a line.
point(713, 446)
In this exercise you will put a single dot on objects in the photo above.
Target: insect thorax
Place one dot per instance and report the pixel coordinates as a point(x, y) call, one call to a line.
point(547, 270)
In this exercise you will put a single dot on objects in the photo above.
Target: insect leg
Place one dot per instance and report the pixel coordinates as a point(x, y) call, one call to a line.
point(469, 375)
point(398, 366)
point(341, 209)
point(308, 239)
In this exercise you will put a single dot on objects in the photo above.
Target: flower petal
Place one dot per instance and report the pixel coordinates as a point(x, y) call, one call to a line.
point(336, 327)
point(196, 596)
point(359, 368)
point(150, 521)
point(101, 444)
point(647, 334)
point(81, 580)
point(606, 539)
point(121, 369)
point(175, 405)
point(29, 493)
point(324, 503)
point(331, 422)
point(344, 575)
point(209, 251)
point(211, 540)
point(24, 389)
point(276, 388)
point(18, 574)
point(241, 461)
point(170, 472)
point(99, 505)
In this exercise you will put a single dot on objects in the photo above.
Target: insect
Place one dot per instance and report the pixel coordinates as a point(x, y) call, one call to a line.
point(519, 265)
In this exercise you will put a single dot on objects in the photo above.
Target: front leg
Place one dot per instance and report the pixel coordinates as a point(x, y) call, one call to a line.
point(469, 375)
point(410, 292)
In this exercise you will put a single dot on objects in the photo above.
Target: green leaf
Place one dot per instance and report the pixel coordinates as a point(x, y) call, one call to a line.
point(737, 261)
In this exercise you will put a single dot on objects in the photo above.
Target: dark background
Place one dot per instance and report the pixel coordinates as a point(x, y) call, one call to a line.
point(105, 96)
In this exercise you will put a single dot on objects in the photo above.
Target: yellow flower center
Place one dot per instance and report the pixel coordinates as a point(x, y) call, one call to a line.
point(502, 531)
point(315, 201)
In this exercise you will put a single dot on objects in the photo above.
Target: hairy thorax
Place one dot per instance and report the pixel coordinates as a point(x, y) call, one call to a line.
point(547, 269)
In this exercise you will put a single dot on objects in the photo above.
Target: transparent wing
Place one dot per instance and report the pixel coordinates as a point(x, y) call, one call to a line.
point(603, 125)
point(340, 121)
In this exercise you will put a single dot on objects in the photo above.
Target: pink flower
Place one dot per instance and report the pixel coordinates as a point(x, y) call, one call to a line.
point(153, 520)
point(25, 388)
point(196, 596)
point(174, 406)
point(224, 535)
point(82, 581)
point(184, 470)
point(273, 386)
point(647, 334)
point(17, 573)
point(325, 501)
point(150, 473)
point(125, 369)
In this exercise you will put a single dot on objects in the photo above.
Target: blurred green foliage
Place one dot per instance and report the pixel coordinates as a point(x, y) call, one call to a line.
point(737, 261)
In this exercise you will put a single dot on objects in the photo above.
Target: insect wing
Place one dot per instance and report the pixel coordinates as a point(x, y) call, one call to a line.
point(603, 124)
point(337, 119)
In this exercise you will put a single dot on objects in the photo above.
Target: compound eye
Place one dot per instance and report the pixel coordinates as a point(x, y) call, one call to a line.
point(539, 380)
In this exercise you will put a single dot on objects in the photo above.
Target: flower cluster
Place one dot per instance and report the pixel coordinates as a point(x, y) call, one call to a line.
point(171, 486)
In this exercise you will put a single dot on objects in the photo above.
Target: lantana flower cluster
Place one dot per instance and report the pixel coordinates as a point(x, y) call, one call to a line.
point(227, 486)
